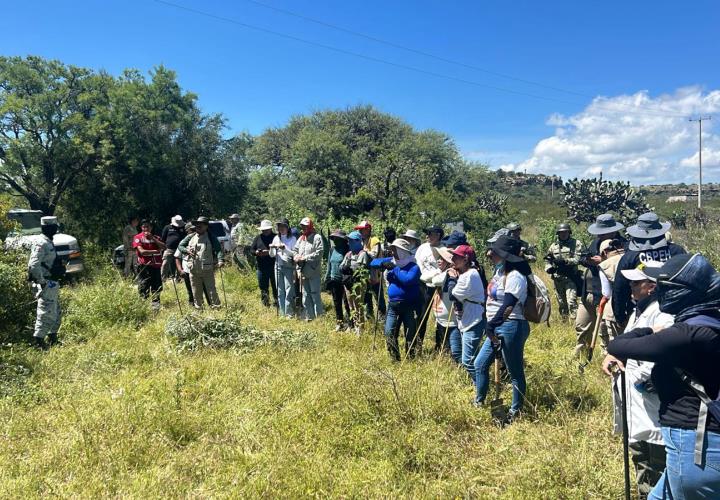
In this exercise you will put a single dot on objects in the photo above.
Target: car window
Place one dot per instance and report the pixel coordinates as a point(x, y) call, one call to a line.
point(217, 229)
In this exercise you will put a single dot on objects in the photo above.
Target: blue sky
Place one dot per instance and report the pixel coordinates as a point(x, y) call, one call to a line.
point(647, 58)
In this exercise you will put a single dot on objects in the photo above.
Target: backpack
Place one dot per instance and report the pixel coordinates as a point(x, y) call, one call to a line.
point(537, 306)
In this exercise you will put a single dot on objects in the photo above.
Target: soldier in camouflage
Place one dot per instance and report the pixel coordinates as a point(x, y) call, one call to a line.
point(527, 250)
point(562, 265)
point(41, 269)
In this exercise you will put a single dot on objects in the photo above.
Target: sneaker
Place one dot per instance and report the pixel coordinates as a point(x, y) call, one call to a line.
point(338, 327)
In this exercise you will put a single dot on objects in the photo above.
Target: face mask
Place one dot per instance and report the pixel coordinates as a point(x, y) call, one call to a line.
point(499, 267)
point(356, 246)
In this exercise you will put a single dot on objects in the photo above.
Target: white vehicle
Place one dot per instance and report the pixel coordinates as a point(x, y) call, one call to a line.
point(66, 246)
point(220, 229)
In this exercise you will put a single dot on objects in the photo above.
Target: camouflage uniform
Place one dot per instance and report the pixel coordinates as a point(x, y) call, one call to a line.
point(565, 256)
point(46, 290)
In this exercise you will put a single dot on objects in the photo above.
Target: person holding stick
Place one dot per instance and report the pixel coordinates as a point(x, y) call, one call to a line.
point(205, 255)
point(685, 374)
point(644, 433)
point(507, 329)
point(469, 299)
point(282, 249)
point(447, 334)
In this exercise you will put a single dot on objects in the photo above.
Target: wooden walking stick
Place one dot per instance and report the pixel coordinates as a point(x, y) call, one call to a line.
point(596, 332)
point(415, 335)
point(497, 407)
point(626, 436)
point(377, 311)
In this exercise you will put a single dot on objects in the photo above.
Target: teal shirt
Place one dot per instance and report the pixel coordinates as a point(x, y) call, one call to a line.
point(333, 269)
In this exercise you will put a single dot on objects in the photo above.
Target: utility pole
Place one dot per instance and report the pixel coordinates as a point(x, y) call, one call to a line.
point(700, 119)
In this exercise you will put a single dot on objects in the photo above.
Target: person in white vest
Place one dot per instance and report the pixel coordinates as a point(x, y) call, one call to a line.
point(646, 442)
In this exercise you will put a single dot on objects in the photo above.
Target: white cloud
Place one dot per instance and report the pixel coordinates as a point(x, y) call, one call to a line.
point(636, 137)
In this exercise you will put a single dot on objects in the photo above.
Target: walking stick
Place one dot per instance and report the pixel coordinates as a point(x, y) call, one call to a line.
point(427, 313)
point(596, 332)
point(497, 408)
point(626, 437)
point(177, 297)
point(222, 282)
point(377, 311)
point(447, 327)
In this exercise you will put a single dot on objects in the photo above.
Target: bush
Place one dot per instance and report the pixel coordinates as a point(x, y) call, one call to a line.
point(17, 303)
point(195, 332)
point(104, 304)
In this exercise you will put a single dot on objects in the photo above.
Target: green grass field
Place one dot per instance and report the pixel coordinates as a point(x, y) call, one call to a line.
point(119, 410)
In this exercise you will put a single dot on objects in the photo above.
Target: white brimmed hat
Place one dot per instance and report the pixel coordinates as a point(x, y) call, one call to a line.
point(411, 233)
point(177, 221)
point(642, 272)
point(444, 254)
point(402, 243)
point(265, 224)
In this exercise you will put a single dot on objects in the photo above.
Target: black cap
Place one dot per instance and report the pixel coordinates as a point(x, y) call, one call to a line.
point(201, 220)
point(435, 229)
point(283, 222)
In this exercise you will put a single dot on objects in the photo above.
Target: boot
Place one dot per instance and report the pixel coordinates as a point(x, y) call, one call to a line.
point(39, 343)
point(53, 339)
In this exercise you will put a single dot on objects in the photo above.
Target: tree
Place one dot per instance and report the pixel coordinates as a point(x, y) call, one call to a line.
point(351, 162)
point(585, 199)
point(49, 132)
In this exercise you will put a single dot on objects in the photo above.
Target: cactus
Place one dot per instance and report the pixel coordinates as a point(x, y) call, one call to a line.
point(585, 199)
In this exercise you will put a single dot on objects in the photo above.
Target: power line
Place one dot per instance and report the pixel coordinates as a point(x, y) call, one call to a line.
point(404, 66)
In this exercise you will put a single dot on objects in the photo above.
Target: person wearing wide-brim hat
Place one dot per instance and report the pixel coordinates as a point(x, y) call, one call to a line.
point(260, 248)
point(426, 259)
point(172, 234)
point(282, 249)
point(334, 276)
point(448, 337)
point(413, 237)
point(685, 374)
point(506, 329)
point(205, 254)
point(403, 293)
point(647, 242)
point(603, 229)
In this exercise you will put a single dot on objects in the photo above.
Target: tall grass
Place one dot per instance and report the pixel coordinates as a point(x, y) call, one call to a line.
point(120, 411)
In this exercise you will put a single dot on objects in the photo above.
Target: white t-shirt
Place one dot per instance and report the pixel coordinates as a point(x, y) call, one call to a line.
point(469, 291)
point(425, 258)
point(643, 407)
point(515, 284)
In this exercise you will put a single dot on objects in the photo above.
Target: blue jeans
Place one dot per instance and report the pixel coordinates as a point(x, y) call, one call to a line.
point(683, 479)
point(286, 290)
point(452, 341)
point(513, 333)
point(470, 344)
point(312, 303)
point(400, 313)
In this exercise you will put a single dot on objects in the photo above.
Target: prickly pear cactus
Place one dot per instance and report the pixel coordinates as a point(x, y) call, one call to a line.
point(585, 199)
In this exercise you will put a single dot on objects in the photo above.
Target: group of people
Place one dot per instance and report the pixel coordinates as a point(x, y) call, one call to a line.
point(657, 309)
point(184, 250)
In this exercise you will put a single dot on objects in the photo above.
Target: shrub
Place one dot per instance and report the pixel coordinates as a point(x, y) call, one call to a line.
point(194, 332)
point(104, 304)
point(17, 303)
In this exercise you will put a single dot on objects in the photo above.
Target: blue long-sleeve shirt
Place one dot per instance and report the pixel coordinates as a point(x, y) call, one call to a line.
point(404, 283)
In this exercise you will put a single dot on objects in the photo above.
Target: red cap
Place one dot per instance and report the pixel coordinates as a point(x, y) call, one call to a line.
point(464, 251)
point(364, 225)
